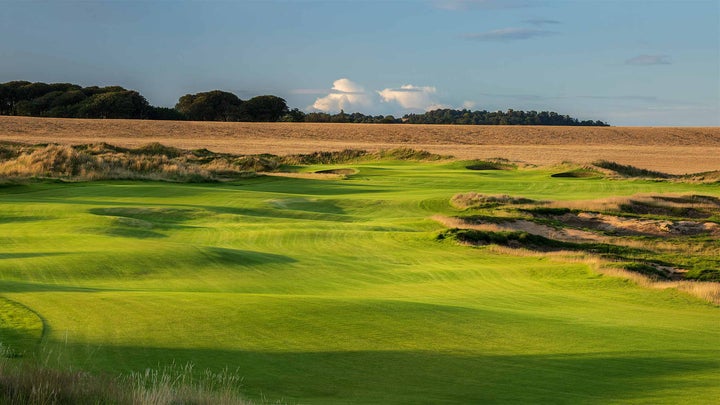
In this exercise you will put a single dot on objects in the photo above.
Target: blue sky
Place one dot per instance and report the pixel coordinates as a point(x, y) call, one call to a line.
point(626, 62)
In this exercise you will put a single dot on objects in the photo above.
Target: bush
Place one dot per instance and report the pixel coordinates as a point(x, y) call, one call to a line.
point(630, 171)
point(703, 274)
point(477, 200)
point(512, 239)
point(488, 165)
point(646, 269)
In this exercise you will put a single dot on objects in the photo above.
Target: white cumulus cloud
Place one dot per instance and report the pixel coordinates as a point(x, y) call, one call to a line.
point(344, 95)
point(411, 97)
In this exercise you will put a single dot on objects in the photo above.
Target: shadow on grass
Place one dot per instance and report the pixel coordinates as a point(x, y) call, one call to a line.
point(29, 255)
point(151, 214)
point(237, 257)
point(278, 213)
point(24, 218)
point(128, 232)
point(433, 377)
point(25, 286)
point(306, 187)
point(518, 239)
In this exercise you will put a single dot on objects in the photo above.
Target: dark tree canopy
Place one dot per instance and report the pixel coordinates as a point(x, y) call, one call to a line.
point(213, 105)
point(116, 104)
point(69, 100)
point(264, 108)
point(219, 105)
point(354, 118)
point(511, 117)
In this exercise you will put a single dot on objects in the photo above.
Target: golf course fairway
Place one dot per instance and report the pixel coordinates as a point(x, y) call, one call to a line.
point(335, 289)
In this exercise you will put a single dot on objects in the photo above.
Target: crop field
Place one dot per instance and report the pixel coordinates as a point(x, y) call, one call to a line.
point(354, 286)
point(670, 150)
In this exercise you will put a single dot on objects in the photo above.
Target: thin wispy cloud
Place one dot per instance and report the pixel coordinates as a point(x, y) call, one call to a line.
point(539, 22)
point(646, 60)
point(456, 5)
point(647, 99)
point(510, 34)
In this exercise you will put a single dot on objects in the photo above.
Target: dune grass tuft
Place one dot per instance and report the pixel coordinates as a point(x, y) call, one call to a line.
point(630, 171)
point(27, 383)
point(478, 200)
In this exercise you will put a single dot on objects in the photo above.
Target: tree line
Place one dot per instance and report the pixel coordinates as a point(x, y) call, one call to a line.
point(510, 117)
point(66, 100)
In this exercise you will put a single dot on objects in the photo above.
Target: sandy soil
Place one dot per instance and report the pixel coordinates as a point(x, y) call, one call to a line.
point(595, 221)
point(671, 150)
point(564, 234)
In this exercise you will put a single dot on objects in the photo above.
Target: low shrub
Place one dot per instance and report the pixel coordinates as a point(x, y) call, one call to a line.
point(582, 173)
point(646, 269)
point(547, 211)
point(511, 239)
point(703, 274)
point(477, 200)
point(630, 171)
point(489, 165)
point(157, 149)
point(324, 157)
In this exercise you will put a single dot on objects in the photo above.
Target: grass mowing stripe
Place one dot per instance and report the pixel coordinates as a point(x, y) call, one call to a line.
point(327, 291)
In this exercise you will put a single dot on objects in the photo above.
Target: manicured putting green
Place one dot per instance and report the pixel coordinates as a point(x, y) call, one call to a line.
point(336, 291)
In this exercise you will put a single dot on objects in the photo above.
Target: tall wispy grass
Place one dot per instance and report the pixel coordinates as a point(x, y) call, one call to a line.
point(99, 162)
point(628, 171)
point(154, 161)
point(478, 200)
point(354, 155)
point(705, 290)
point(22, 383)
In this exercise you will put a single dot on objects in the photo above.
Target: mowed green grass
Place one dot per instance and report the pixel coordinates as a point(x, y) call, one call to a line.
point(336, 291)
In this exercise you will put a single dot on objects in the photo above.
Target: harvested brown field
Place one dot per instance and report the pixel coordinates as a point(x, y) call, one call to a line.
point(669, 150)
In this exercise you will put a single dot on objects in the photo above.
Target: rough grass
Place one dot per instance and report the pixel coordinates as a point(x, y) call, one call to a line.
point(28, 383)
point(355, 155)
point(493, 164)
point(478, 200)
point(578, 173)
point(691, 205)
point(102, 162)
point(630, 171)
point(155, 161)
point(626, 228)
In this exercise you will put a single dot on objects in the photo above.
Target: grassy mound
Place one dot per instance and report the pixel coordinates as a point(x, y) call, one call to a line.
point(630, 171)
point(581, 173)
point(478, 200)
point(489, 165)
point(511, 239)
point(155, 161)
point(343, 172)
point(100, 162)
